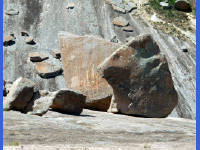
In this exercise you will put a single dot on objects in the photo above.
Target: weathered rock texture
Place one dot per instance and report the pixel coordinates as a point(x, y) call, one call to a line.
point(140, 78)
point(20, 94)
point(68, 101)
point(80, 57)
point(36, 17)
point(94, 130)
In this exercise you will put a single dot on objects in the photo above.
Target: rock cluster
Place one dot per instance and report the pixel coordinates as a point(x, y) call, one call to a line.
point(23, 98)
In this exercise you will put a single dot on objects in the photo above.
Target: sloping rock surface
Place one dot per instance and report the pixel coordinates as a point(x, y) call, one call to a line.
point(89, 17)
point(97, 130)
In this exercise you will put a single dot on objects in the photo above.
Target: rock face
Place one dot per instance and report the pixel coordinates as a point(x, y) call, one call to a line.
point(19, 95)
point(140, 78)
point(68, 101)
point(80, 57)
point(120, 21)
point(183, 5)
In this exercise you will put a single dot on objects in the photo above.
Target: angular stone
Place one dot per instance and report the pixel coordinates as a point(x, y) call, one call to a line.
point(11, 12)
point(38, 56)
point(127, 29)
point(68, 101)
point(70, 5)
point(100, 105)
point(140, 78)
point(116, 8)
point(80, 57)
point(129, 38)
point(40, 103)
point(130, 6)
point(48, 69)
point(114, 39)
point(20, 94)
point(57, 54)
point(183, 5)
point(120, 21)
point(9, 40)
point(29, 40)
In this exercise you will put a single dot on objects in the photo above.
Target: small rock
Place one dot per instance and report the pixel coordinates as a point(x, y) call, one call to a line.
point(20, 94)
point(70, 6)
point(40, 103)
point(183, 5)
point(29, 40)
point(4, 88)
point(116, 8)
point(127, 29)
point(130, 6)
point(165, 5)
point(48, 69)
point(38, 56)
point(68, 101)
point(57, 54)
point(114, 39)
point(23, 33)
point(11, 12)
point(9, 40)
point(120, 21)
point(184, 48)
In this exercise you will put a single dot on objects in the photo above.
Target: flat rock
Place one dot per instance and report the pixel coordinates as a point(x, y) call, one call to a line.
point(38, 56)
point(127, 29)
point(56, 54)
point(94, 130)
point(80, 57)
point(11, 12)
point(165, 5)
point(70, 5)
point(20, 94)
point(48, 69)
point(29, 40)
point(183, 5)
point(140, 78)
point(68, 101)
point(8, 40)
point(120, 21)
point(118, 9)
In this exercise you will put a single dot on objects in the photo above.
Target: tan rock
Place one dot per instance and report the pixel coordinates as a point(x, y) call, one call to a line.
point(8, 40)
point(48, 69)
point(116, 8)
point(127, 29)
point(140, 78)
point(80, 57)
point(120, 21)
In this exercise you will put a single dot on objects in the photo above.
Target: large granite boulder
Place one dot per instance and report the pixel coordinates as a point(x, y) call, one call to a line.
point(19, 95)
point(68, 101)
point(140, 78)
point(80, 57)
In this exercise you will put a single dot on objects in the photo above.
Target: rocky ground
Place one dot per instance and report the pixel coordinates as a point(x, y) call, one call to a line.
point(96, 130)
